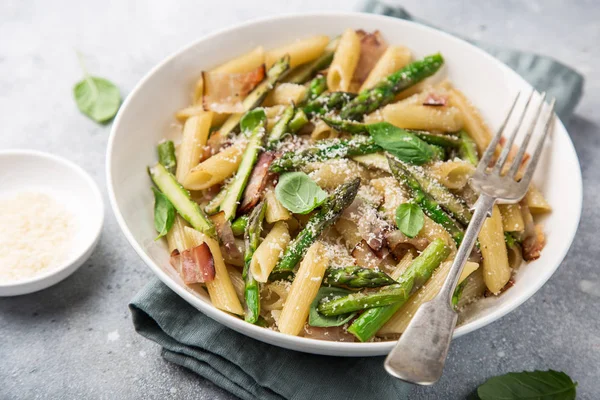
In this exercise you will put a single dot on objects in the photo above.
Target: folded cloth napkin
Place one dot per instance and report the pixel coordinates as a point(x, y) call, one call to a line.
point(251, 369)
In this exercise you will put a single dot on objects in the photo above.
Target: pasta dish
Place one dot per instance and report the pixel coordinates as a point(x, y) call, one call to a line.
point(321, 189)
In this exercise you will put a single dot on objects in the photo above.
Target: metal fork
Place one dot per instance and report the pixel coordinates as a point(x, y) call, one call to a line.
point(420, 354)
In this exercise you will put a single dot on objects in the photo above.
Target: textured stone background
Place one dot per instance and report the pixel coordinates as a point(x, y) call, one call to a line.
point(76, 341)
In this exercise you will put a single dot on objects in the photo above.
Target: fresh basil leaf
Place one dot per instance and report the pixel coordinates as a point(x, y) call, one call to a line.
point(319, 320)
point(164, 213)
point(298, 193)
point(404, 145)
point(409, 219)
point(547, 385)
point(252, 119)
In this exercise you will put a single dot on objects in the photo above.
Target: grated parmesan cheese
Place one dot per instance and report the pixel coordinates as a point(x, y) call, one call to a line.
point(35, 236)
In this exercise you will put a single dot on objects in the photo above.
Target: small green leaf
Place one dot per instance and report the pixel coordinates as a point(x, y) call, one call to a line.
point(252, 119)
point(164, 213)
point(546, 385)
point(409, 219)
point(404, 145)
point(298, 193)
point(319, 320)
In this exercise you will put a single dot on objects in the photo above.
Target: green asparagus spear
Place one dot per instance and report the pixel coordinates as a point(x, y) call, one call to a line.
point(467, 148)
point(238, 226)
point(423, 199)
point(317, 86)
point(298, 121)
point(356, 277)
point(257, 95)
point(445, 141)
point(413, 278)
point(369, 322)
point(253, 125)
point(325, 150)
point(303, 73)
point(455, 206)
point(180, 198)
point(213, 206)
point(384, 92)
point(252, 239)
point(439, 153)
point(328, 102)
point(343, 125)
point(281, 126)
point(329, 212)
point(166, 156)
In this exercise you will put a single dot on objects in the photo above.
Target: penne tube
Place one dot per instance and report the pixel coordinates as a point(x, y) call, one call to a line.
point(323, 131)
point(512, 219)
point(221, 290)
point(345, 59)
point(496, 271)
point(300, 51)
point(402, 266)
point(536, 202)
point(195, 135)
point(473, 121)
point(398, 323)
point(284, 94)
point(394, 58)
point(268, 252)
point(237, 281)
point(348, 230)
point(215, 169)
point(303, 291)
point(275, 210)
point(333, 173)
point(417, 116)
point(452, 174)
point(176, 235)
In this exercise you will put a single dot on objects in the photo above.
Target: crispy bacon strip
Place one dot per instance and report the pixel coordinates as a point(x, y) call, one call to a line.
point(224, 93)
point(257, 182)
point(372, 47)
point(195, 265)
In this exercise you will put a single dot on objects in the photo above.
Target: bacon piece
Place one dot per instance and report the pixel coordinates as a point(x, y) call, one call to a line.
point(257, 182)
point(434, 99)
point(372, 47)
point(195, 265)
point(224, 93)
point(223, 227)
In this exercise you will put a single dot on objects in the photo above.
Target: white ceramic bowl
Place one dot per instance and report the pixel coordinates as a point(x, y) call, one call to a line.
point(148, 111)
point(71, 186)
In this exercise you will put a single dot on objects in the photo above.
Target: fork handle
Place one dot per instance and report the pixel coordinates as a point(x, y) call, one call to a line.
point(421, 351)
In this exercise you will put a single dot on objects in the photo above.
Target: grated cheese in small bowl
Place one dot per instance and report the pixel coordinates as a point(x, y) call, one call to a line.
point(35, 236)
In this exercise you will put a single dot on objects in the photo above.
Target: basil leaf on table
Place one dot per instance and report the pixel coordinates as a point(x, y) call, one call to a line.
point(319, 320)
point(164, 213)
point(404, 145)
point(98, 98)
point(298, 193)
point(547, 385)
point(410, 219)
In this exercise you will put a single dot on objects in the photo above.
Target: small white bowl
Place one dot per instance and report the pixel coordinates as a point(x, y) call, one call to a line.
point(147, 114)
point(68, 184)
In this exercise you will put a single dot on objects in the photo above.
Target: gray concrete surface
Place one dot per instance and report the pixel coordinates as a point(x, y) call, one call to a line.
point(76, 340)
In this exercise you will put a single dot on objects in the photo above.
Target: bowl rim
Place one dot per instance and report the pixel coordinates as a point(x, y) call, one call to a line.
point(300, 343)
point(29, 285)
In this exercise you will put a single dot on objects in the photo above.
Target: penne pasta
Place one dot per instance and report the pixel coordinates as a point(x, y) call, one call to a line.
point(268, 252)
point(215, 169)
point(473, 122)
point(275, 211)
point(400, 320)
point(176, 235)
point(300, 51)
point(303, 291)
point(394, 58)
point(512, 219)
point(348, 230)
point(221, 291)
point(406, 115)
point(496, 271)
point(332, 174)
point(195, 135)
point(237, 281)
point(345, 59)
point(284, 94)
point(323, 131)
point(274, 295)
point(536, 202)
point(452, 174)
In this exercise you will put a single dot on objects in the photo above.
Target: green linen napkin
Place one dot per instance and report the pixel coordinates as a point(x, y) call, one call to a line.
point(254, 370)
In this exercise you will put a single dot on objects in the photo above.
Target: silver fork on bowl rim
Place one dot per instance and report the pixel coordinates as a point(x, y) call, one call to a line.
point(421, 351)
